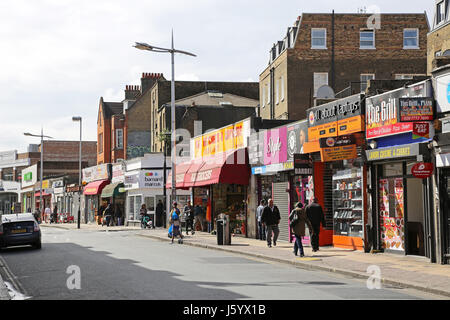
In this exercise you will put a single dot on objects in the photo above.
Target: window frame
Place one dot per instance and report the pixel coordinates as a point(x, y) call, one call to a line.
point(118, 145)
point(442, 12)
point(317, 89)
point(316, 47)
point(277, 91)
point(263, 95)
point(282, 88)
point(373, 47)
point(417, 39)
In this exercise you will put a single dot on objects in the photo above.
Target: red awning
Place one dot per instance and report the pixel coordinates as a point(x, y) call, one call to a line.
point(181, 171)
point(95, 187)
point(44, 194)
point(229, 167)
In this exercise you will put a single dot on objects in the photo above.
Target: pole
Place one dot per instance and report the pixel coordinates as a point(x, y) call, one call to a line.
point(41, 205)
point(173, 152)
point(79, 184)
point(165, 181)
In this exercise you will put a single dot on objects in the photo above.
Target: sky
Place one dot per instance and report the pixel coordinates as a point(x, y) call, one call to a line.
point(58, 57)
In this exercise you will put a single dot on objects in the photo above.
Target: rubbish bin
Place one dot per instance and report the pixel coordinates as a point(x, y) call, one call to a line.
point(226, 230)
point(220, 231)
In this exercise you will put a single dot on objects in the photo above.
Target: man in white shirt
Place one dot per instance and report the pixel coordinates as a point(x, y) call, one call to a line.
point(261, 227)
point(47, 213)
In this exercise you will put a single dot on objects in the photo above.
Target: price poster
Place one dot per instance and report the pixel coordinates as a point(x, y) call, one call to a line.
point(392, 213)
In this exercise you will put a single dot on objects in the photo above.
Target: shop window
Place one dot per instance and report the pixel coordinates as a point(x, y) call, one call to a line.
point(150, 203)
point(393, 170)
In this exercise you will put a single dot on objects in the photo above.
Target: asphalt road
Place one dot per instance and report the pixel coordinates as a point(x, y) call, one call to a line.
point(90, 265)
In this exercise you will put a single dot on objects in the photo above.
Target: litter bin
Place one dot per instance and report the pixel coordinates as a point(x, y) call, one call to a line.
point(219, 225)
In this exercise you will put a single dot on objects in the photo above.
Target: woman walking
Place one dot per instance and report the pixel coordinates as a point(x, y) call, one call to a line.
point(297, 221)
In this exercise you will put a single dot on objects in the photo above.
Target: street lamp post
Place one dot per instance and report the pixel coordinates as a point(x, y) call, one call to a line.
point(172, 51)
point(76, 119)
point(42, 163)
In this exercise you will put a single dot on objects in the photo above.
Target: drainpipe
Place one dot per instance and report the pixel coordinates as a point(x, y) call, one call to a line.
point(333, 83)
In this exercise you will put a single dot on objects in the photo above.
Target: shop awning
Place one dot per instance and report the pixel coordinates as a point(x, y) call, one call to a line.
point(44, 194)
point(112, 190)
point(95, 187)
point(229, 167)
point(181, 171)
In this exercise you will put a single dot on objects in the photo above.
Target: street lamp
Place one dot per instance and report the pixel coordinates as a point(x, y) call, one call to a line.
point(76, 119)
point(172, 51)
point(42, 161)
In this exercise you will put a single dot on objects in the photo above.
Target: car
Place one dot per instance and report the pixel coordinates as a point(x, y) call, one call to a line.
point(19, 229)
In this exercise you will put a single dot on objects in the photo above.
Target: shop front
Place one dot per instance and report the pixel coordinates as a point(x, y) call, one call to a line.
point(398, 131)
point(29, 179)
point(9, 196)
point(94, 180)
point(335, 144)
point(73, 201)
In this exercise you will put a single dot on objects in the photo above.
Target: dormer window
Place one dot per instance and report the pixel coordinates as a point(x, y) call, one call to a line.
point(440, 12)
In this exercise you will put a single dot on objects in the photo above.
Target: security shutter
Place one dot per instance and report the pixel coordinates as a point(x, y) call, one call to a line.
point(328, 197)
point(281, 200)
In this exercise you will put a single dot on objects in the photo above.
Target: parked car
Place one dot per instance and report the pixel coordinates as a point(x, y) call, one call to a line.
point(19, 229)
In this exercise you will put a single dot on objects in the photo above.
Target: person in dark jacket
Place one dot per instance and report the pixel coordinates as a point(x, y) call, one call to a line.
point(159, 213)
point(297, 221)
point(54, 218)
point(315, 215)
point(189, 216)
point(108, 214)
point(271, 219)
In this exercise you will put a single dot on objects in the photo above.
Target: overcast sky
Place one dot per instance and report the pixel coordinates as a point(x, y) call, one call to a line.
point(58, 57)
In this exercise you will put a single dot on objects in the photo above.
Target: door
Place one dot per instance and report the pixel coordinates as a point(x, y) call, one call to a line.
point(281, 199)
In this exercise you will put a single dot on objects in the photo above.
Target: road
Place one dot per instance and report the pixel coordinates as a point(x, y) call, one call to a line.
point(91, 265)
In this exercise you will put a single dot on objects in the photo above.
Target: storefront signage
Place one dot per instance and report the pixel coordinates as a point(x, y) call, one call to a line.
point(99, 172)
point(256, 149)
point(74, 189)
point(29, 176)
point(382, 111)
point(338, 148)
point(442, 93)
point(445, 124)
point(58, 184)
point(393, 152)
point(336, 118)
point(58, 190)
point(225, 139)
point(416, 109)
point(421, 130)
point(275, 146)
point(297, 136)
point(422, 170)
point(118, 171)
point(303, 164)
point(149, 179)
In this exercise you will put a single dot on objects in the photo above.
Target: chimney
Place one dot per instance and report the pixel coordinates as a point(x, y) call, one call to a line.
point(132, 92)
point(149, 79)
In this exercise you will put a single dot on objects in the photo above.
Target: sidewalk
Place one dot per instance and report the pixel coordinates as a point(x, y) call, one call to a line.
point(398, 270)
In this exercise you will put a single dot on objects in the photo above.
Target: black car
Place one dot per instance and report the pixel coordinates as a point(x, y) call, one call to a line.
point(19, 229)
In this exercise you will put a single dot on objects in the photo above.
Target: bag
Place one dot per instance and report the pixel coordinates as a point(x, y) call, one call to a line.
point(294, 219)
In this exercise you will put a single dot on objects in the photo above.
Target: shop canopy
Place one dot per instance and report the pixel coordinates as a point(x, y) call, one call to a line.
point(112, 190)
point(44, 194)
point(227, 167)
point(95, 187)
point(181, 171)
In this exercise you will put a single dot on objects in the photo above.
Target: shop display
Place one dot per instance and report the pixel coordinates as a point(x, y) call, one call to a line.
point(348, 203)
point(392, 213)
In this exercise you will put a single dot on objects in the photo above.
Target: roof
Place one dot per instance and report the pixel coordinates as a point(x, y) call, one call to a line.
point(112, 108)
point(218, 99)
point(17, 217)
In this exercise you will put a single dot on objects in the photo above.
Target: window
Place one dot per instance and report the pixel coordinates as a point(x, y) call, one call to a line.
point(410, 38)
point(320, 79)
point(364, 81)
point(440, 12)
point(277, 91)
point(268, 92)
point(263, 96)
point(367, 39)
point(282, 88)
point(318, 38)
point(100, 143)
point(119, 138)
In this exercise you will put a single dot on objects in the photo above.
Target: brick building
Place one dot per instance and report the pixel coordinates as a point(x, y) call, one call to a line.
point(338, 50)
point(439, 37)
point(110, 132)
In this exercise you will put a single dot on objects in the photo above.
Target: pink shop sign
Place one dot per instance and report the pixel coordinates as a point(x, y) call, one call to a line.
point(275, 146)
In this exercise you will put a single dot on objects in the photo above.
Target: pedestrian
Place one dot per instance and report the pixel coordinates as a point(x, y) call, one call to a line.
point(198, 217)
point(297, 221)
point(118, 215)
point(37, 215)
point(55, 215)
point(261, 227)
point(47, 213)
point(108, 213)
point(189, 216)
point(175, 222)
point(159, 213)
point(316, 217)
point(271, 219)
point(143, 214)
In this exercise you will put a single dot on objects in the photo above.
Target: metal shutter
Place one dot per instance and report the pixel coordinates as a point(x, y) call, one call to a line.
point(281, 200)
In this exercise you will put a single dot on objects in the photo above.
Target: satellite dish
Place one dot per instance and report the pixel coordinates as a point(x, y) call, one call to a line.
point(325, 92)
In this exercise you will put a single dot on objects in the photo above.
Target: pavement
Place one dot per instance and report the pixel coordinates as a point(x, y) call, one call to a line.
point(394, 270)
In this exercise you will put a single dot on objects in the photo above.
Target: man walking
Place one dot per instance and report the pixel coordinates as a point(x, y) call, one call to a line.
point(315, 215)
point(271, 219)
point(189, 216)
point(159, 213)
point(261, 228)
